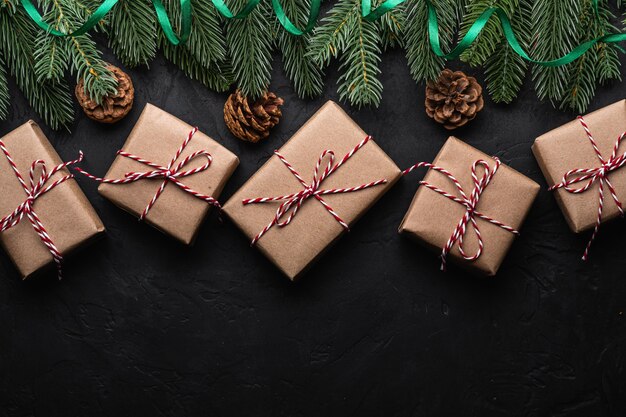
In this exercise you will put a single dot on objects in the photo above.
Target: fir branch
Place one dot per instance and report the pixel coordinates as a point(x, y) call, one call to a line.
point(359, 82)
point(50, 99)
point(203, 58)
point(491, 36)
point(423, 63)
point(250, 43)
point(85, 58)
point(51, 58)
point(392, 25)
point(4, 91)
point(333, 33)
point(504, 69)
point(555, 23)
point(598, 65)
point(132, 32)
point(305, 75)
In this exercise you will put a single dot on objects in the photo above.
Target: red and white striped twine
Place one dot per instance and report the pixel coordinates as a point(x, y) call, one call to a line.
point(593, 175)
point(35, 189)
point(171, 173)
point(470, 203)
point(292, 202)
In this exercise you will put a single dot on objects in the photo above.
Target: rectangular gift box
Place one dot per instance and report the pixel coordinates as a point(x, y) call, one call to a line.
point(568, 147)
point(156, 137)
point(432, 218)
point(67, 215)
point(296, 246)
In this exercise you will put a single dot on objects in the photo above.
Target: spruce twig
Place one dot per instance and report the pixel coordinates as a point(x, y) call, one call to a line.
point(4, 90)
point(250, 42)
point(423, 63)
point(132, 32)
point(504, 69)
point(306, 76)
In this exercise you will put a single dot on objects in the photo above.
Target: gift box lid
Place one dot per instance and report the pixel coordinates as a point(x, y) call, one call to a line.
point(65, 212)
point(432, 218)
point(295, 247)
point(568, 147)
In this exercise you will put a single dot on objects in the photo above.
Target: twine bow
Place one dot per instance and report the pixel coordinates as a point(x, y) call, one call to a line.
point(291, 203)
point(470, 203)
point(591, 176)
point(35, 188)
point(171, 173)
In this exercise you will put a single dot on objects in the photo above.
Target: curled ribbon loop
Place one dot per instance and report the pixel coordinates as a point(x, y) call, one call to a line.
point(171, 173)
point(35, 188)
point(470, 203)
point(590, 176)
point(291, 203)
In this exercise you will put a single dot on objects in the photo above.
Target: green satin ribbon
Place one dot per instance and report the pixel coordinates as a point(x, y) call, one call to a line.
point(476, 28)
point(366, 12)
point(104, 8)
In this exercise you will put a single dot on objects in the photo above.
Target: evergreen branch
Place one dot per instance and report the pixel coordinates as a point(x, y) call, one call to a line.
point(4, 91)
point(491, 36)
point(504, 69)
point(598, 65)
point(332, 35)
point(132, 32)
point(555, 23)
point(423, 63)
point(50, 99)
point(85, 58)
point(305, 75)
point(360, 65)
point(392, 25)
point(250, 43)
point(203, 58)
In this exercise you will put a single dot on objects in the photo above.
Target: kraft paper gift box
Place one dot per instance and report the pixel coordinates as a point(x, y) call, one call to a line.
point(294, 247)
point(432, 218)
point(568, 147)
point(67, 216)
point(156, 137)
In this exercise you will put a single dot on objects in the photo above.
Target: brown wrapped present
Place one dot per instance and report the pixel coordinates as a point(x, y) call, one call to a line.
point(166, 174)
point(581, 161)
point(293, 217)
point(471, 218)
point(46, 215)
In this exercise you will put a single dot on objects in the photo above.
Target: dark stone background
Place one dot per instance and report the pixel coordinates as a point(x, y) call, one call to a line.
point(142, 326)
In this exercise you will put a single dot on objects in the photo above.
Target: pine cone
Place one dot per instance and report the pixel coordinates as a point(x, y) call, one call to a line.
point(454, 99)
point(252, 121)
point(113, 107)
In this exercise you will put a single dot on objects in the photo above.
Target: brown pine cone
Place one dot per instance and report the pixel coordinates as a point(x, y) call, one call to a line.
point(454, 99)
point(252, 121)
point(114, 107)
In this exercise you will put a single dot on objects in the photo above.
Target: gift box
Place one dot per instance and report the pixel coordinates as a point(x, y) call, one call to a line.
point(166, 174)
point(308, 194)
point(46, 215)
point(469, 207)
point(569, 148)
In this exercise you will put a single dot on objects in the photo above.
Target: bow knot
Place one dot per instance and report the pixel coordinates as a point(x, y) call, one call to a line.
point(470, 203)
point(171, 173)
point(33, 190)
point(291, 203)
point(590, 176)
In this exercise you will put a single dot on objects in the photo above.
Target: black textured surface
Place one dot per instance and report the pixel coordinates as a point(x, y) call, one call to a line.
point(142, 326)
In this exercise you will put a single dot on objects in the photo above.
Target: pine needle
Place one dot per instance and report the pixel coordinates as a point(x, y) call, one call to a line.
point(132, 32)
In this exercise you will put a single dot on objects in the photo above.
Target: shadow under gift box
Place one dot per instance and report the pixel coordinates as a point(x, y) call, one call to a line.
point(432, 218)
point(156, 137)
point(568, 147)
point(65, 212)
point(296, 246)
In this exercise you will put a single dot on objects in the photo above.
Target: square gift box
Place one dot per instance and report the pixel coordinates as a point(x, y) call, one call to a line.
point(433, 218)
point(295, 230)
point(569, 148)
point(157, 137)
point(66, 216)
